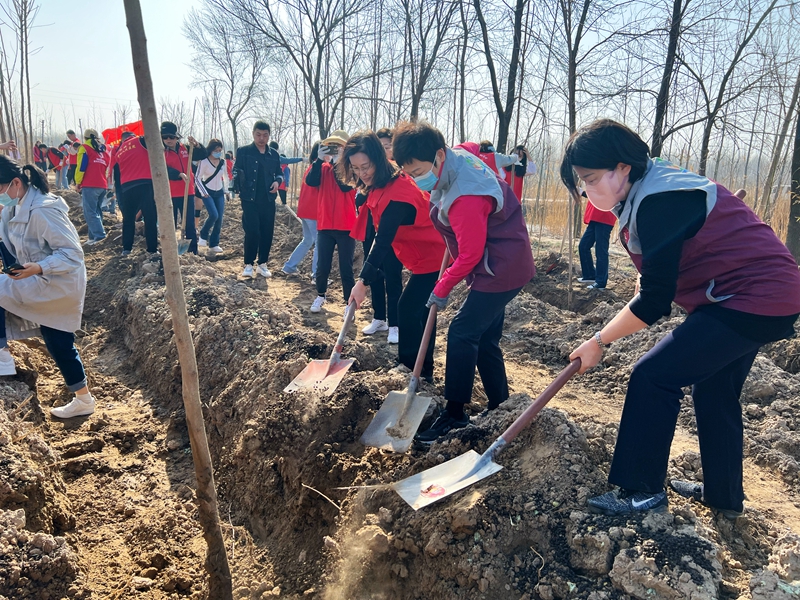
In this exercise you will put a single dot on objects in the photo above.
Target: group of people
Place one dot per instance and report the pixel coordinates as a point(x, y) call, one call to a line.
point(434, 207)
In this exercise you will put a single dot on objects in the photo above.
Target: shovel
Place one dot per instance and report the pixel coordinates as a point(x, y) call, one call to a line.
point(183, 244)
point(442, 480)
point(393, 427)
point(324, 376)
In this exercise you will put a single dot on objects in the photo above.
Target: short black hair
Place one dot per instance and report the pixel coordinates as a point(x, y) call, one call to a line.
point(70, 132)
point(368, 143)
point(274, 145)
point(416, 140)
point(261, 126)
point(384, 133)
point(485, 145)
point(603, 144)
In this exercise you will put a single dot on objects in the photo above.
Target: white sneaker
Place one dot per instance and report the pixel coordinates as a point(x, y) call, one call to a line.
point(248, 271)
point(316, 306)
point(216, 250)
point(394, 335)
point(7, 363)
point(264, 271)
point(374, 327)
point(76, 408)
point(201, 243)
point(587, 280)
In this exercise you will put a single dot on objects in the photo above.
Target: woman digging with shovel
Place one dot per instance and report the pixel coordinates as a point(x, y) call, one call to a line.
point(481, 221)
point(400, 215)
point(694, 243)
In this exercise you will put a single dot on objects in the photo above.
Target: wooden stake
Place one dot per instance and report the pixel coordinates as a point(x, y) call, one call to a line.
point(219, 585)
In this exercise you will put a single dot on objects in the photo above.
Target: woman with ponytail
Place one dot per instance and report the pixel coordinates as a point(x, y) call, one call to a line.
point(43, 288)
point(91, 180)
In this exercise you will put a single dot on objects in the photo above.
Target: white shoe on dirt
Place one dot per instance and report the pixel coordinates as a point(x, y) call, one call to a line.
point(201, 243)
point(374, 327)
point(264, 271)
point(248, 271)
point(76, 408)
point(216, 250)
point(316, 306)
point(7, 363)
point(394, 335)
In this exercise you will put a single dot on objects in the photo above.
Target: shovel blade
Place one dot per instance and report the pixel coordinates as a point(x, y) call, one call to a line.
point(318, 378)
point(384, 432)
point(443, 480)
point(183, 246)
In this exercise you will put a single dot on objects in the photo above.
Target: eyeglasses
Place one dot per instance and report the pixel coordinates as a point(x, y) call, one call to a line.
point(359, 170)
point(169, 137)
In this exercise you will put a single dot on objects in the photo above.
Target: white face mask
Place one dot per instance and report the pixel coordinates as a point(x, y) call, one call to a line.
point(607, 191)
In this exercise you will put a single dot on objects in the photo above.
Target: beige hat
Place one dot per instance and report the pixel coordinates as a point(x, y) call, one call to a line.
point(338, 136)
point(88, 133)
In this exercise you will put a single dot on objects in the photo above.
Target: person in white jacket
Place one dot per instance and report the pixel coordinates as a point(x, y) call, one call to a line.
point(211, 180)
point(44, 285)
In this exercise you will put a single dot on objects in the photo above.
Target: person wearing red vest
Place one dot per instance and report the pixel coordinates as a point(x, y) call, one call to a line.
point(400, 213)
point(481, 221)
point(336, 215)
point(599, 224)
point(495, 160)
point(307, 213)
point(136, 184)
point(91, 179)
point(40, 155)
point(179, 171)
point(515, 175)
point(72, 151)
point(697, 244)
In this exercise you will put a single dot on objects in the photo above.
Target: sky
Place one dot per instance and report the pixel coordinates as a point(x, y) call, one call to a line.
point(83, 58)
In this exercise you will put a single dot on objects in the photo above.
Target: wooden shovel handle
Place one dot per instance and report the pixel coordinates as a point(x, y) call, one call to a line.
point(186, 187)
point(429, 324)
point(528, 415)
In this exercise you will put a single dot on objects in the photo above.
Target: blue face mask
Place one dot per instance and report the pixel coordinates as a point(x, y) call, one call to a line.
point(6, 200)
point(216, 154)
point(427, 182)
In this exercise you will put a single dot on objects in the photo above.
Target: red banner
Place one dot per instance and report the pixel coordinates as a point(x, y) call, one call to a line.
point(113, 136)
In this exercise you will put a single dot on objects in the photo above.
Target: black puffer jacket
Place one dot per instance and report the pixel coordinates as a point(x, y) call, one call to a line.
point(245, 170)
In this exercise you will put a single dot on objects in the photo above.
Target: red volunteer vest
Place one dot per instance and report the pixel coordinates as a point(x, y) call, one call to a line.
point(73, 158)
point(335, 209)
point(488, 158)
point(95, 175)
point(133, 161)
point(514, 181)
point(54, 160)
point(599, 216)
point(180, 161)
point(419, 246)
point(308, 199)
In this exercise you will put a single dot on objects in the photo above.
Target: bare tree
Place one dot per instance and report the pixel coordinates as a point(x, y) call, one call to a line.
point(793, 229)
point(226, 61)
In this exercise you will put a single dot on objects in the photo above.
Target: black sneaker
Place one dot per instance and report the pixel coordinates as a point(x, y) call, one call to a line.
point(621, 502)
point(443, 425)
point(692, 490)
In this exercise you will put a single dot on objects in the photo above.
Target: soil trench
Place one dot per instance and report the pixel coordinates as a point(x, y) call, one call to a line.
point(103, 506)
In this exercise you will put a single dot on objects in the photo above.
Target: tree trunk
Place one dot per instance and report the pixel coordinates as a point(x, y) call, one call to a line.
point(462, 121)
point(793, 229)
point(666, 78)
point(776, 156)
point(220, 584)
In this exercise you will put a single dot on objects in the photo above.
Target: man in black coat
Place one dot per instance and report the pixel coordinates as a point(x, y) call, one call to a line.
point(257, 174)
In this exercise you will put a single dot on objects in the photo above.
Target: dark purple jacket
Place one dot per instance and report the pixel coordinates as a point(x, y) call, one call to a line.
point(507, 258)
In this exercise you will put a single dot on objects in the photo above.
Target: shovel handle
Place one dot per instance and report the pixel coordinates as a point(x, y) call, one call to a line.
point(337, 349)
point(542, 399)
point(429, 325)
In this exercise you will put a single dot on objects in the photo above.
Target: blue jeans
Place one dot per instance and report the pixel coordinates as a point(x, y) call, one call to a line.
point(61, 346)
point(215, 205)
point(309, 239)
point(597, 235)
point(92, 201)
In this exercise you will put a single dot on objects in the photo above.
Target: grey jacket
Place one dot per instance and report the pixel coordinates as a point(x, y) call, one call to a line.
point(38, 230)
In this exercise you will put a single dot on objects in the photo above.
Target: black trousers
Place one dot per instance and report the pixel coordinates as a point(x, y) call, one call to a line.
point(282, 194)
point(177, 209)
point(473, 340)
point(133, 200)
point(714, 359)
point(71, 173)
point(327, 239)
point(258, 222)
point(412, 316)
point(386, 289)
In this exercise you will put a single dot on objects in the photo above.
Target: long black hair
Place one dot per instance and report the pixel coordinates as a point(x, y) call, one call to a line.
point(368, 143)
point(603, 144)
point(29, 175)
